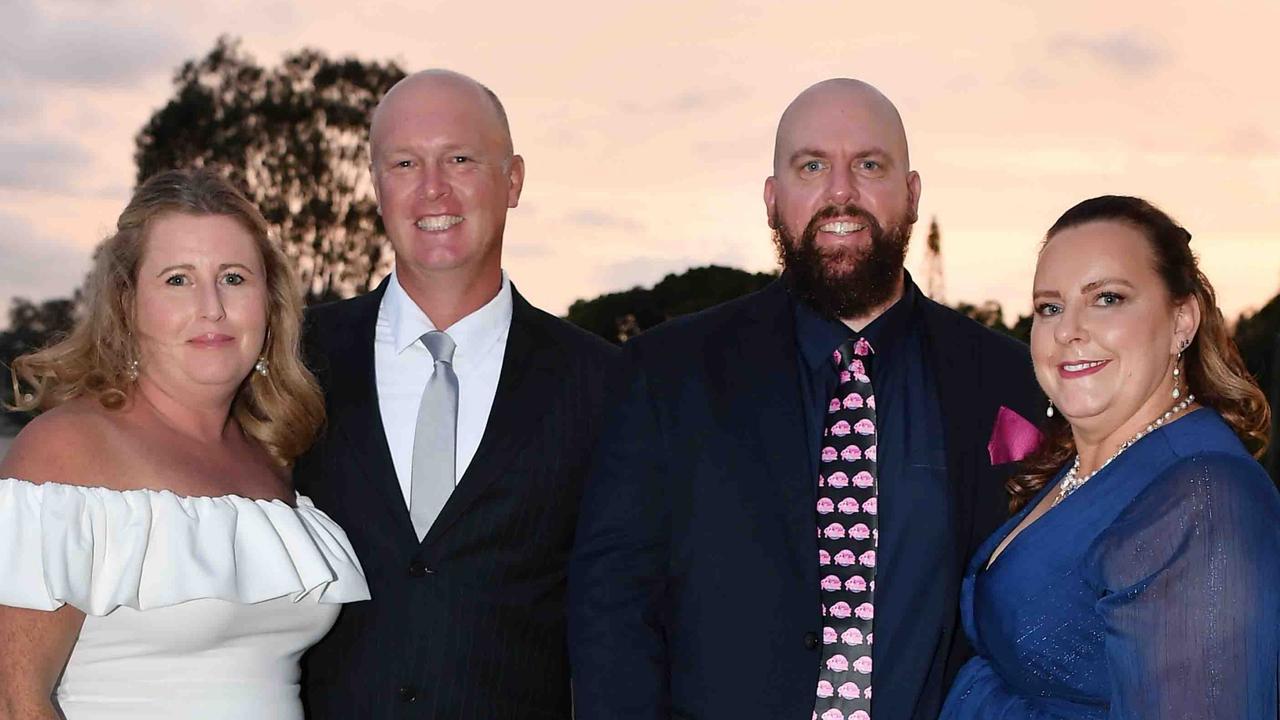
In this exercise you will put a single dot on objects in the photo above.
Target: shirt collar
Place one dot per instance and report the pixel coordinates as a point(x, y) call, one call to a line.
point(819, 334)
point(474, 335)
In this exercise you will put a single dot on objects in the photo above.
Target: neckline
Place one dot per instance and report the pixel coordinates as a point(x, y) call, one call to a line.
point(988, 562)
point(228, 497)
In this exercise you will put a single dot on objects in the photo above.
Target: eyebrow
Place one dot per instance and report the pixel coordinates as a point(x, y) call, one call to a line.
point(1090, 287)
point(188, 266)
point(1085, 289)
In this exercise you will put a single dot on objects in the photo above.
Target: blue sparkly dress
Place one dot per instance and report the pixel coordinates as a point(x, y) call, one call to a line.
point(1151, 592)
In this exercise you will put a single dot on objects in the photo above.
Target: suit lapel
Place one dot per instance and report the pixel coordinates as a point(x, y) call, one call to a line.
point(356, 418)
point(762, 393)
point(527, 377)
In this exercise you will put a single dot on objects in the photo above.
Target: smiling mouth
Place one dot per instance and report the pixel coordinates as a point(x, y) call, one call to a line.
point(1080, 368)
point(437, 223)
point(842, 227)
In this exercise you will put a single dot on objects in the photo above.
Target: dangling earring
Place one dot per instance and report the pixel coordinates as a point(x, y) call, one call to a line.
point(1177, 374)
point(131, 371)
point(1048, 412)
point(262, 367)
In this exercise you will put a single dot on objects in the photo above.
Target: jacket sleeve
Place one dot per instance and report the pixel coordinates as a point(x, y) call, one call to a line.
point(617, 574)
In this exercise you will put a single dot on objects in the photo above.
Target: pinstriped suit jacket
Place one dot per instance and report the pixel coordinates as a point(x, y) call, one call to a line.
point(469, 622)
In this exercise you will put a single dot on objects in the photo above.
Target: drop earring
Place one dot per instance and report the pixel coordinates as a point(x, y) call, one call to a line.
point(1048, 412)
point(132, 371)
point(261, 367)
point(1177, 376)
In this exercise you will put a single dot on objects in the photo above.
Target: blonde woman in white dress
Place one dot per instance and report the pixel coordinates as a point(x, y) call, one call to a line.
point(155, 561)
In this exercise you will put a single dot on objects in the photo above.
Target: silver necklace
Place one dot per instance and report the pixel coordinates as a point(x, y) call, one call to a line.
point(1072, 481)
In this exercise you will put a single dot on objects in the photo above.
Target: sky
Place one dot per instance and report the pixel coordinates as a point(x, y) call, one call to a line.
point(647, 128)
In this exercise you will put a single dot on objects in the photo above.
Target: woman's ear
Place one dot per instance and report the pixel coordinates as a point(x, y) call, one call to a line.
point(1186, 321)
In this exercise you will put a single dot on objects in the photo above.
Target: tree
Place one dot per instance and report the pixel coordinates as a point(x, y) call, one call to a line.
point(31, 327)
point(292, 137)
point(621, 315)
point(934, 285)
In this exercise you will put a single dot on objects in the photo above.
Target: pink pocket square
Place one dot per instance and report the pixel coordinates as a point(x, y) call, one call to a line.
point(1012, 438)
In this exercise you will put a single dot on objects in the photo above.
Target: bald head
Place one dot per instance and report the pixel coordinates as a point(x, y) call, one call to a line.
point(429, 89)
point(835, 107)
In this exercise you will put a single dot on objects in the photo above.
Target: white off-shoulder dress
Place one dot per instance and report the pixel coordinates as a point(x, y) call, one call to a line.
point(195, 607)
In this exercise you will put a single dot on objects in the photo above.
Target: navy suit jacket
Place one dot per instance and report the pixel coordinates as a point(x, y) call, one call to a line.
point(694, 581)
point(469, 623)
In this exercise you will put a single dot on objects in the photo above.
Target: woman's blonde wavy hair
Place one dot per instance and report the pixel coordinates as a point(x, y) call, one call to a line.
point(283, 410)
point(1214, 370)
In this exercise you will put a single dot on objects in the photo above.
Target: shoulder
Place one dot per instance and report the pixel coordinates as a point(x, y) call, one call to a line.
point(707, 327)
point(73, 444)
point(338, 315)
point(568, 337)
point(948, 326)
point(1218, 507)
point(1215, 489)
point(1216, 475)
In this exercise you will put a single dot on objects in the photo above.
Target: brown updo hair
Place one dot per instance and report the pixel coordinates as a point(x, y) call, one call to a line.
point(1213, 368)
point(283, 410)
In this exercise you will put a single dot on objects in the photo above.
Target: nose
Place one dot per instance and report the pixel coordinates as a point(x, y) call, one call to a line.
point(1070, 327)
point(211, 306)
point(435, 183)
point(842, 184)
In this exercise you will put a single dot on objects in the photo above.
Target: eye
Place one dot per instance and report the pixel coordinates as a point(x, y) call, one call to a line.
point(458, 159)
point(402, 164)
point(233, 278)
point(870, 165)
point(177, 280)
point(1108, 299)
point(812, 166)
point(1048, 309)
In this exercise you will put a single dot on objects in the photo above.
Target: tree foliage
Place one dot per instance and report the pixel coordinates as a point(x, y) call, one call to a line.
point(293, 137)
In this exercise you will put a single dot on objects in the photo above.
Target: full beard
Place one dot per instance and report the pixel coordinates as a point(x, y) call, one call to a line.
point(844, 282)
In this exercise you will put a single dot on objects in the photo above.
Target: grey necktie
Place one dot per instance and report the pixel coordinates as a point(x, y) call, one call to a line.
point(435, 439)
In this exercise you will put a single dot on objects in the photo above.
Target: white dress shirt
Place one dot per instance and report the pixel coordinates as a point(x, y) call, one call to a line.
point(402, 366)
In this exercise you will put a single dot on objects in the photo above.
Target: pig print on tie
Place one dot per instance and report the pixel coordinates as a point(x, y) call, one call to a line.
point(847, 549)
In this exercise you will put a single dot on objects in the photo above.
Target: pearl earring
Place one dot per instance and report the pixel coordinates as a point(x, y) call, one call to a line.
point(1048, 412)
point(261, 367)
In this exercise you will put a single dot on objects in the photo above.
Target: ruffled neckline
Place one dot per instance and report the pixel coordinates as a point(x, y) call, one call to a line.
point(99, 549)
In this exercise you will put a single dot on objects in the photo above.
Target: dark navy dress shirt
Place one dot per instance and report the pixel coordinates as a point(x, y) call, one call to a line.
point(916, 502)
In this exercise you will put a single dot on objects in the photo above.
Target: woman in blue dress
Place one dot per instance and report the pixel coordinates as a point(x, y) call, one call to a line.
point(1140, 575)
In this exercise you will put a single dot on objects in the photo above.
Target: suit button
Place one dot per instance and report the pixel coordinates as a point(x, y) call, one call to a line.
point(418, 569)
point(408, 694)
point(811, 641)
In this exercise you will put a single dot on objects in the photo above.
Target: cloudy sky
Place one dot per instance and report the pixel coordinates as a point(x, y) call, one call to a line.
point(647, 127)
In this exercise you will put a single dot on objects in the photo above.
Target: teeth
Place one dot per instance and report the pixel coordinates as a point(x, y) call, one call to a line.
point(841, 228)
point(1077, 367)
point(434, 223)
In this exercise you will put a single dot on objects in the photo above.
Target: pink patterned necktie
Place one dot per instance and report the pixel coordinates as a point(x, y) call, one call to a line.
point(847, 539)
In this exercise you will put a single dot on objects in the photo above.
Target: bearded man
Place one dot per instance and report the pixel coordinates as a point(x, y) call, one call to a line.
point(790, 485)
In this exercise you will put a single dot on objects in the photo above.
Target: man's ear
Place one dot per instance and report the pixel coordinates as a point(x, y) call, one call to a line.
point(770, 201)
point(913, 194)
point(515, 178)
